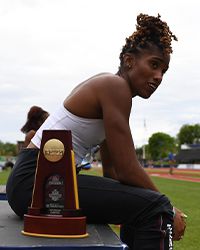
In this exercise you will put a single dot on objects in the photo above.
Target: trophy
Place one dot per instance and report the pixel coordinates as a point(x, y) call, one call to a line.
point(54, 211)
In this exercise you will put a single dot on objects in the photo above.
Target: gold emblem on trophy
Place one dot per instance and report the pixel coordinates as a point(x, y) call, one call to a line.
point(53, 150)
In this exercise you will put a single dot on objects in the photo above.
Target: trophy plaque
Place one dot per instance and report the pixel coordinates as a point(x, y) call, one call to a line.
point(54, 211)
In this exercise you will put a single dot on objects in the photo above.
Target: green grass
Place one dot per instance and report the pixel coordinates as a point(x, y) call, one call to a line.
point(184, 195)
point(4, 176)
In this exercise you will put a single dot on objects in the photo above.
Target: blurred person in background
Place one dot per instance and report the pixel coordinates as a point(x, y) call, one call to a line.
point(35, 118)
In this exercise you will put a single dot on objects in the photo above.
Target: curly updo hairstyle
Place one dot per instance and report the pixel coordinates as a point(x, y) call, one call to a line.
point(150, 31)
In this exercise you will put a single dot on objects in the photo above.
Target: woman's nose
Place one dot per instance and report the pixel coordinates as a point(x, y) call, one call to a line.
point(158, 76)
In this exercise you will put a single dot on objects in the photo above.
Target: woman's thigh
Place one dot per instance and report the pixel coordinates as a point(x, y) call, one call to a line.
point(104, 200)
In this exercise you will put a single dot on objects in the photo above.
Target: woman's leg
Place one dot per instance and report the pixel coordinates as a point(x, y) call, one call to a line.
point(146, 216)
point(19, 186)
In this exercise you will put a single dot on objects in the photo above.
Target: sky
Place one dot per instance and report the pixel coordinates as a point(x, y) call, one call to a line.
point(48, 47)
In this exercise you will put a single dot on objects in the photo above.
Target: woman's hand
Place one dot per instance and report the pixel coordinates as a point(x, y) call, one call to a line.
point(179, 224)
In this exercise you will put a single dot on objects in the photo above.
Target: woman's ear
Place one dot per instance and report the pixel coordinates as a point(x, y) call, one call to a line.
point(129, 60)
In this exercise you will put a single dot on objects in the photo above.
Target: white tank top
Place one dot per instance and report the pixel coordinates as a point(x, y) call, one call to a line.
point(86, 133)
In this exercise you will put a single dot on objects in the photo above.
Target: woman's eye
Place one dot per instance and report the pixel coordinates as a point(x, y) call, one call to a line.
point(154, 65)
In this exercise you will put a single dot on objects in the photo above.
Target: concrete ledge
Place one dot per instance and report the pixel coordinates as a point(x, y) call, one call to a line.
point(11, 238)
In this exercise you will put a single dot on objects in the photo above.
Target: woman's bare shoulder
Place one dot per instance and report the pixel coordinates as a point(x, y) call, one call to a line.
point(108, 77)
point(113, 94)
point(112, 85)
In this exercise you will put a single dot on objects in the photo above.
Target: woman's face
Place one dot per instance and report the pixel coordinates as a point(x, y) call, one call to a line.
point(146, 71)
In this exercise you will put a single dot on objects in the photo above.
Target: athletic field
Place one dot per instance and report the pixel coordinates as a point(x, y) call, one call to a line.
point(178, 174)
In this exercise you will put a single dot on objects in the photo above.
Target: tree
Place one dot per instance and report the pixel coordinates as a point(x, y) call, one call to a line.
point(189, 134)
point(8, 149)
point(160, 145)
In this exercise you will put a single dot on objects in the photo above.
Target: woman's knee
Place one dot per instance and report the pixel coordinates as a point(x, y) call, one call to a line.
point(20, 182)
point(19, 203)
point(159, 206)
point(165, 205)
point(19, 194)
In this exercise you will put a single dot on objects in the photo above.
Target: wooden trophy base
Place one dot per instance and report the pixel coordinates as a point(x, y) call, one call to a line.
point(55, 226)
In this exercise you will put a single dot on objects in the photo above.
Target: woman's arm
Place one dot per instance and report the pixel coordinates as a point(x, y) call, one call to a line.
point(107, 166)
point(28, 137)
point(124, 160)
point(116, 106)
